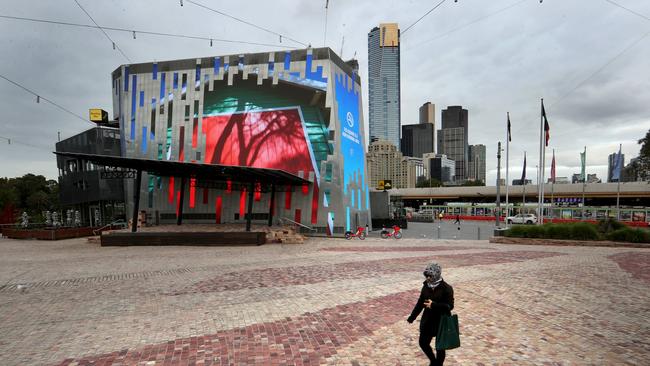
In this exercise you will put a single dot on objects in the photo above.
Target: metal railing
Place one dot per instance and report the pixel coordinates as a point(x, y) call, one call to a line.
point(282, 219)
point(119, 222)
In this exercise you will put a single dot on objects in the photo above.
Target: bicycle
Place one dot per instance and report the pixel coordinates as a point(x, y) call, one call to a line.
point(396, 233)
point(360, 233)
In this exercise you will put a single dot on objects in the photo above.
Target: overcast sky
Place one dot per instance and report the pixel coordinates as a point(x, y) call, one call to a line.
point(588, 59)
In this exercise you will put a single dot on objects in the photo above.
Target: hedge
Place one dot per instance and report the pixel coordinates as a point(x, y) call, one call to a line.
point(604, 230)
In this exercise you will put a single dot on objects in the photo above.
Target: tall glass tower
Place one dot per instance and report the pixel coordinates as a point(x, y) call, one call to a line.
point(384, 83)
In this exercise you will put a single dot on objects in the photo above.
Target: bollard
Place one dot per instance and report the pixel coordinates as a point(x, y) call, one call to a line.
point(438, 231)
point(478, 234)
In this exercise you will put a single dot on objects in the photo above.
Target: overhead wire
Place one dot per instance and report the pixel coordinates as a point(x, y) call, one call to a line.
point(422, 17)
point(105, 34)
point(477, 20)
point(629, 10)
point(163, 34)
point(12, 141)
point(40, 97)
point(245, 22)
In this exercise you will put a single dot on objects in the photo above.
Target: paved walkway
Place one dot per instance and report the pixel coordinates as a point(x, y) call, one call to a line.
point(326, 302)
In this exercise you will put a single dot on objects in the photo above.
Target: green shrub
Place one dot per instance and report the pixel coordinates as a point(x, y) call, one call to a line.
point(558, 231)
point(535, 231)
point(516, 232)
point(608, 225)
point(629, 235)
point(584, 231)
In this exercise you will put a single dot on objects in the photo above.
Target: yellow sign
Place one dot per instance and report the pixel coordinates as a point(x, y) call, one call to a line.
point(98, 115)
point(383, 185)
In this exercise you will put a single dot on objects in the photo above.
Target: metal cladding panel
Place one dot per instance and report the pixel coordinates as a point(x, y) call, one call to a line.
point(299, 111)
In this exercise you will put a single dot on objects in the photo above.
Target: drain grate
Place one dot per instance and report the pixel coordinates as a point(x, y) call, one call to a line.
point(94, 279)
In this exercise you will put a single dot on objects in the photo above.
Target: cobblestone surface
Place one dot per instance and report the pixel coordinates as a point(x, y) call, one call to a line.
point(326, 302)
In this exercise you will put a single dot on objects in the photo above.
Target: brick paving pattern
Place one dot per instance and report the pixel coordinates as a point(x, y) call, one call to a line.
point(326, 302)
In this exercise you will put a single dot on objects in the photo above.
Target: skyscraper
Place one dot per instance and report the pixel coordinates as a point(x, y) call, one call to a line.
point(476, 165)
point(384, 83)
point(428, 113)
point(417, 139)
point(452, 139)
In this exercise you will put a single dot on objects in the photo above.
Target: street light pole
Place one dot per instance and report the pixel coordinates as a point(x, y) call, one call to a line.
point(498, 212)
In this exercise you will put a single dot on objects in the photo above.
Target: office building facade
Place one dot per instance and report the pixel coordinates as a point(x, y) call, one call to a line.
point(453, 139)
point(418, 139)
point(428, 113)
point(386, 162)
point(440, 167)
point(476, 163)
point(384, 95)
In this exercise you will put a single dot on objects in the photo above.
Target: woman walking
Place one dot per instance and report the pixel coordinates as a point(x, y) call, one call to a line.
point(436, 298)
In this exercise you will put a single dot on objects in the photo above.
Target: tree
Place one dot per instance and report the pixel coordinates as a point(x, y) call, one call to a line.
point(644, 158)
point(423, 182)
point(473, 183)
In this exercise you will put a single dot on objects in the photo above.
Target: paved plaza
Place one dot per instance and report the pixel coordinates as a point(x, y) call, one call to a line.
point(325, 302)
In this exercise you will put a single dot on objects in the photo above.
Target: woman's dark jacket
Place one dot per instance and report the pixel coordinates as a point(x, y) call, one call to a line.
point(443, 302)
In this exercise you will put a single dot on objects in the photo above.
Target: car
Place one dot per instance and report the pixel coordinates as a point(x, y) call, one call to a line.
point(522, 219)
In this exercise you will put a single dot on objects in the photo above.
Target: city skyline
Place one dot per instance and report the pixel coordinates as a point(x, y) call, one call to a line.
point(483, 56)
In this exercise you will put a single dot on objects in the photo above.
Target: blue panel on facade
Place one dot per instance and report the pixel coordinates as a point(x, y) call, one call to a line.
point(359, 199)
point(217, 65)
point(347, 219)
point(126, 78)
point(154, 73)
point(197, 78)
point(175, 80)
point(241, 63)
point(162, 88)
point(287, 60)
point(133, 91)
point(143, 144)
point(141, 98)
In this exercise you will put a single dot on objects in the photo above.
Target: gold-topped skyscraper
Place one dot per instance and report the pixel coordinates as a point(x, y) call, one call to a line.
point(384, 83)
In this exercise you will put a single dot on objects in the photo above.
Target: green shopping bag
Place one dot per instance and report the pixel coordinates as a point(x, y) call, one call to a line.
point(448, 336)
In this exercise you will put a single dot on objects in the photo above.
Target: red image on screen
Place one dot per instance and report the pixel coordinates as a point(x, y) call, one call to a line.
point(261, 139)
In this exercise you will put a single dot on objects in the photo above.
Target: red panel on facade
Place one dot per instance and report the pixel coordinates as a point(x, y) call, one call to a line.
point(178, 202)
point(205, 196)
point(195, 133)
point(181, 144)
point(297, 216)
point(228, 186)
point(258, 192)
point(218, 209)
point(192, 192)
point(242, 203)
point(266, 139)
point(171, 190)
point(305, 189)
point(287, 200)
point(314, 205)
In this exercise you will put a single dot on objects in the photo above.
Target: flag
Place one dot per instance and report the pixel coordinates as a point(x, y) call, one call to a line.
point(618, 165)
point(553, 168)
point(523, 174)
point(547, 128)
point(509, 135)
point(583, 159)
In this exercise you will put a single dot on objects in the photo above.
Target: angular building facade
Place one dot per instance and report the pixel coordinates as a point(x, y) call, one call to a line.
point(611, 166)
point(298, 111)
point(384, 83)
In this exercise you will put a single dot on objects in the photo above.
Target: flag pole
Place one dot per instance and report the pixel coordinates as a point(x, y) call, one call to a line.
point(584, 184)
point(619, 166)
point(523, 198)
point(507, 166)
point(552, 184)
point(543, 170)
point(539, 170)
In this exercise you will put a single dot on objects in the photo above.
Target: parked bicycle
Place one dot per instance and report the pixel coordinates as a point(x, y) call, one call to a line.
point(360, 233)
point(396, 233)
